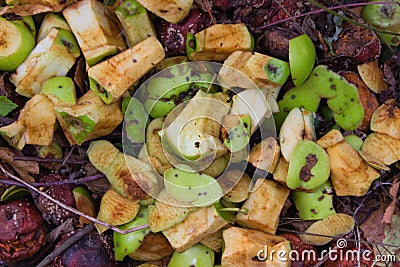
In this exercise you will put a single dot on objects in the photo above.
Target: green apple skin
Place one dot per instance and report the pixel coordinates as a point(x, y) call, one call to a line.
point(197, 255)
point(16, 42)
point(67, 39)
point(80, 127)
point(30, 24)
point(100, 91)
point(302, 57)
point(62, 88)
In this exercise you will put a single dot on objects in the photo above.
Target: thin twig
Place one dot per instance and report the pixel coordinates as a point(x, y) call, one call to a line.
point(65, 245)
point(75, 211)
point(58, 183)
point(50, 160)
point(68, 155)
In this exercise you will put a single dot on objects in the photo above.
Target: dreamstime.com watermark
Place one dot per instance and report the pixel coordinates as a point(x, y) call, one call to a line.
point(340, 254)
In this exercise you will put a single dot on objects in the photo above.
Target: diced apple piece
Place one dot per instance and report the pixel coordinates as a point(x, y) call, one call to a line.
point(89, 119)
point(135, 21)
point(291, 132)
point(372, 75)
point(35, 124)
point(281, 171)
point(386, 119)
point(116, 210)
point(350, 174)
point(53, 56)
point(264, 206)
point(195, 130)
point(214, 241)
point(172, 11)
point(263, 70)
point(331, 138)
point(153, 247)
point(382, 147)
point(236, 185)
point(246, 247)
point(51, 20)
point(265, 155)
point(119, 73)
point(60, 90)
point(127, 175)
point(95, 29)
point(166, 212)
point(197, 226)
point(218, 42)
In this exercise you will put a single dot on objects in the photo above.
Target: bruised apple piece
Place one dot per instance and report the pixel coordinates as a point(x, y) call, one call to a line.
point(291, 132)
point(165, 212)
point(350, 174)
point(373, 162)
point(264, 206)
point(199, 254)
point(281, 171)
point(263, 70)
point(334, 225)
point(386, 119)
point(382, 147)
point(154, 246)
point(246, 247)
point(172, 11)
point(195, 131)
point(15, 44)
point(118, 73)
point(372, 76)
point(308, 166)
point(23, 231)
point(236, 134)
point(125, 244)
point(51, 20)
point(89, 119)
point(367, 99)
point(52, 56)
point(116, 210)
point(135, 21)
point(331, 138)
point(265, 155)
point(197, 225)
point(240, 191)
point(130, 177)
point(315, 205)
point(35, 124)
point(84, 203)
point(96, 30)
point(60, 90)
point(218, 41)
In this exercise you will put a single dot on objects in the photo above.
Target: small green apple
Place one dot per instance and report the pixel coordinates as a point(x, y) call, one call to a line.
point(198, 255)
point(302, 57)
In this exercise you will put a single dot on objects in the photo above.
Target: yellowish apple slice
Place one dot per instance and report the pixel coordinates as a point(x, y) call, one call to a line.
point(386, 119)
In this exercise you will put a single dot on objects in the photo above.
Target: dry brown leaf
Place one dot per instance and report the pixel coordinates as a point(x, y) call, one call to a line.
point(387, 216)
point(373, 228)
point(22, 167)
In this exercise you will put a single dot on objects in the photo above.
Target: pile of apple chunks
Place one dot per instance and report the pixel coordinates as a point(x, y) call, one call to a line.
point(311, 170)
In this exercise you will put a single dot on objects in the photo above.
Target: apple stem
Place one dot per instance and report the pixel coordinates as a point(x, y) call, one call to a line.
point(75, 211)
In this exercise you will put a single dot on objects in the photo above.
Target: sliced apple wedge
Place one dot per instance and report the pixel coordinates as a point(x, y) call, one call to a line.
point(292, 131)
point(350, 174)
point(331, 138)
point(89, 119)
point(265, 155)
point(117, 74)
point(382, 147)
point(53, 56)
point(96, 29)
point(386, 119)
point(372, 75)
